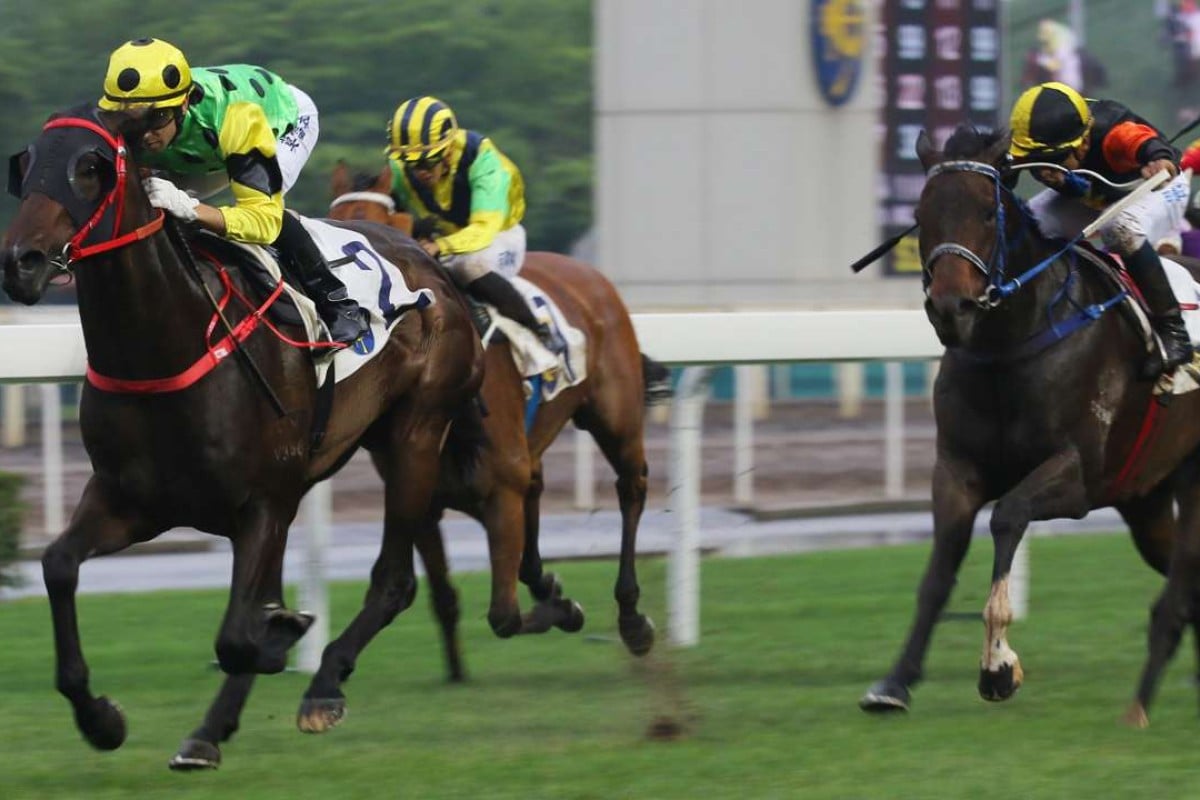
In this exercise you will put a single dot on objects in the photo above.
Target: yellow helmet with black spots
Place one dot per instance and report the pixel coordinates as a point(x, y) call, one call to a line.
point(1048, 121)
point(421, 130)
point(146, 72)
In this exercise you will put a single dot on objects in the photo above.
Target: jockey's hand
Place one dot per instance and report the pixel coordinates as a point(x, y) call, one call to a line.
point(170, 198)
point(432, 247)
point(424, 227)
point(1160, 165)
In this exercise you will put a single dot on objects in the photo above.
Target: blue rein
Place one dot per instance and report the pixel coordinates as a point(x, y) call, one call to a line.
point(999, 288)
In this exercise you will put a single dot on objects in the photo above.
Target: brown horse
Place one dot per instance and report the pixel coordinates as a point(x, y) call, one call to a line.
point(233, 451)
point(1040, 407)
point(503, 492)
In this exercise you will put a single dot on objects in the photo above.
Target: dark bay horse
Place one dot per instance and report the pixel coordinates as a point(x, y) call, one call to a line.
point(216, 455)
point(503, 493)
point(1045, 422)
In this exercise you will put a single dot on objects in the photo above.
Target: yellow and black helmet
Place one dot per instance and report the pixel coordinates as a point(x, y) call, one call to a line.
point(421, 129)
point(146, 72)
point(1048, 120)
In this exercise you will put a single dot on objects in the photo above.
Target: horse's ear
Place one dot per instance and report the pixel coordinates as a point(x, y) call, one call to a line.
point(339, 182)
point(928, 154)
point(383, 184)
point(997, 154)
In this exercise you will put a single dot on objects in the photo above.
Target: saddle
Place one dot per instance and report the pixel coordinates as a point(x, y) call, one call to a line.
point(1137, 313)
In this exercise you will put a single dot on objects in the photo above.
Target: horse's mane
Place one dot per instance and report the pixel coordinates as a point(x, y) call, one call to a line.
point(968, 141)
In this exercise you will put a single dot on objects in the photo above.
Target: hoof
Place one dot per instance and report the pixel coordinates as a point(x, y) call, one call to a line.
point(549, 588)
point(284, 619)
point(1135, 716)
point(572, 619)
point(637, 632)
point(884, 696)
point(195, 754)
point(284, 629)
point(102, 724)
point(320, 715)
point(999, 685)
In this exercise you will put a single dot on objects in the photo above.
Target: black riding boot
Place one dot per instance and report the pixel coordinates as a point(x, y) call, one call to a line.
point(342, 315)
point(1147, 271)
point(498, 291)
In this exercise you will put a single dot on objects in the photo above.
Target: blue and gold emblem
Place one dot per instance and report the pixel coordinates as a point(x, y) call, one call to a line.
point(838, 30)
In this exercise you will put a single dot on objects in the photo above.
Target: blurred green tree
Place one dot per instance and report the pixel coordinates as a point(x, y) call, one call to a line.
point(518, 71)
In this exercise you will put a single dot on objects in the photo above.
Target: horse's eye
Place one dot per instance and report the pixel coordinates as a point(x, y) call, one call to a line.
point(85, 179)
point(990, 217)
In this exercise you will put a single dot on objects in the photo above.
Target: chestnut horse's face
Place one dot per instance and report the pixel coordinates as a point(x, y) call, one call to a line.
point(958, 213)
point(366, 198)
point(61, 180)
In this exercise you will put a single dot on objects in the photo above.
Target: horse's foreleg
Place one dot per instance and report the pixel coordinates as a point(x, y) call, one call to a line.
point(201, 750)
point(957, 498)
point(258, 631)
point(551, 608)
point(443, 596)
point(411, 474)
point(96, 528)
point(1054, 489)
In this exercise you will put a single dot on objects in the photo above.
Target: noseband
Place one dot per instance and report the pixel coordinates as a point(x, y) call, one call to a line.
point(379, 198)
point(75, 249)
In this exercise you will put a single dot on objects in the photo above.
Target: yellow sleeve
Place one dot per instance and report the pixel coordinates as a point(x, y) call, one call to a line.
point(249, 145)
point(489, 204)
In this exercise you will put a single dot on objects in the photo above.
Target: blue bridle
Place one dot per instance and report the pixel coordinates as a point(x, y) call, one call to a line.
point(999, 286)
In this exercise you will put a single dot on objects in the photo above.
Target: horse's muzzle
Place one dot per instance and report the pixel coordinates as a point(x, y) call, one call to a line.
point(26, 272)
point(953, 318)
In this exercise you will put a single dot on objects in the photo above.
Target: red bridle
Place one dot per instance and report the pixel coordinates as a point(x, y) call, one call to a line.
point(75, 249)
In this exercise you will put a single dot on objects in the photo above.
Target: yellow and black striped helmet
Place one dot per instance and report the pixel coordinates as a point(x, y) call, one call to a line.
point(421, 129)
point(146, 72)
point(1048, 120)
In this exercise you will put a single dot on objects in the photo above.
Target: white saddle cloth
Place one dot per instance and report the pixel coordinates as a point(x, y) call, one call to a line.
point(375, 283)
point(530, 356)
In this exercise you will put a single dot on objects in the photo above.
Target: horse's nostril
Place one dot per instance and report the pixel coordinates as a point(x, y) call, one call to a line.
point(31, 259)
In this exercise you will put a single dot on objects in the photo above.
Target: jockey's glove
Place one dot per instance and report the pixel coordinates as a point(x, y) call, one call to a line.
point(170, 198)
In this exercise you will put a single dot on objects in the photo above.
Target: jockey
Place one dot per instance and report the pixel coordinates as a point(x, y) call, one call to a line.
point(1051, 122)
point(474, 199)
point(238, 126)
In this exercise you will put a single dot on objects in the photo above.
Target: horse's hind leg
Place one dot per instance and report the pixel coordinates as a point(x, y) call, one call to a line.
point(1176, 606)
point(615, 421)
point(443, 596)
point(1151, 521)
point(411, 474)
point(96, 528)
point(551, 607)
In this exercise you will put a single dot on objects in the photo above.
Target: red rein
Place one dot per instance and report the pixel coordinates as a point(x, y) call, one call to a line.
point(216, 353)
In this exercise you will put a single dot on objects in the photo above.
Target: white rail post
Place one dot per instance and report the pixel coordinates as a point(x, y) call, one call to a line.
point(585, 471)
point(893, 448)
point(850, 377)
point(683, 565)
point(14, 415)
point(52, 458)
point(1018, 576)
point(743, 434)
point(314, 591)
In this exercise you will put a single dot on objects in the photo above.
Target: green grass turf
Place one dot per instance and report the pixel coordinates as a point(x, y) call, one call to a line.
point(788, 646)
